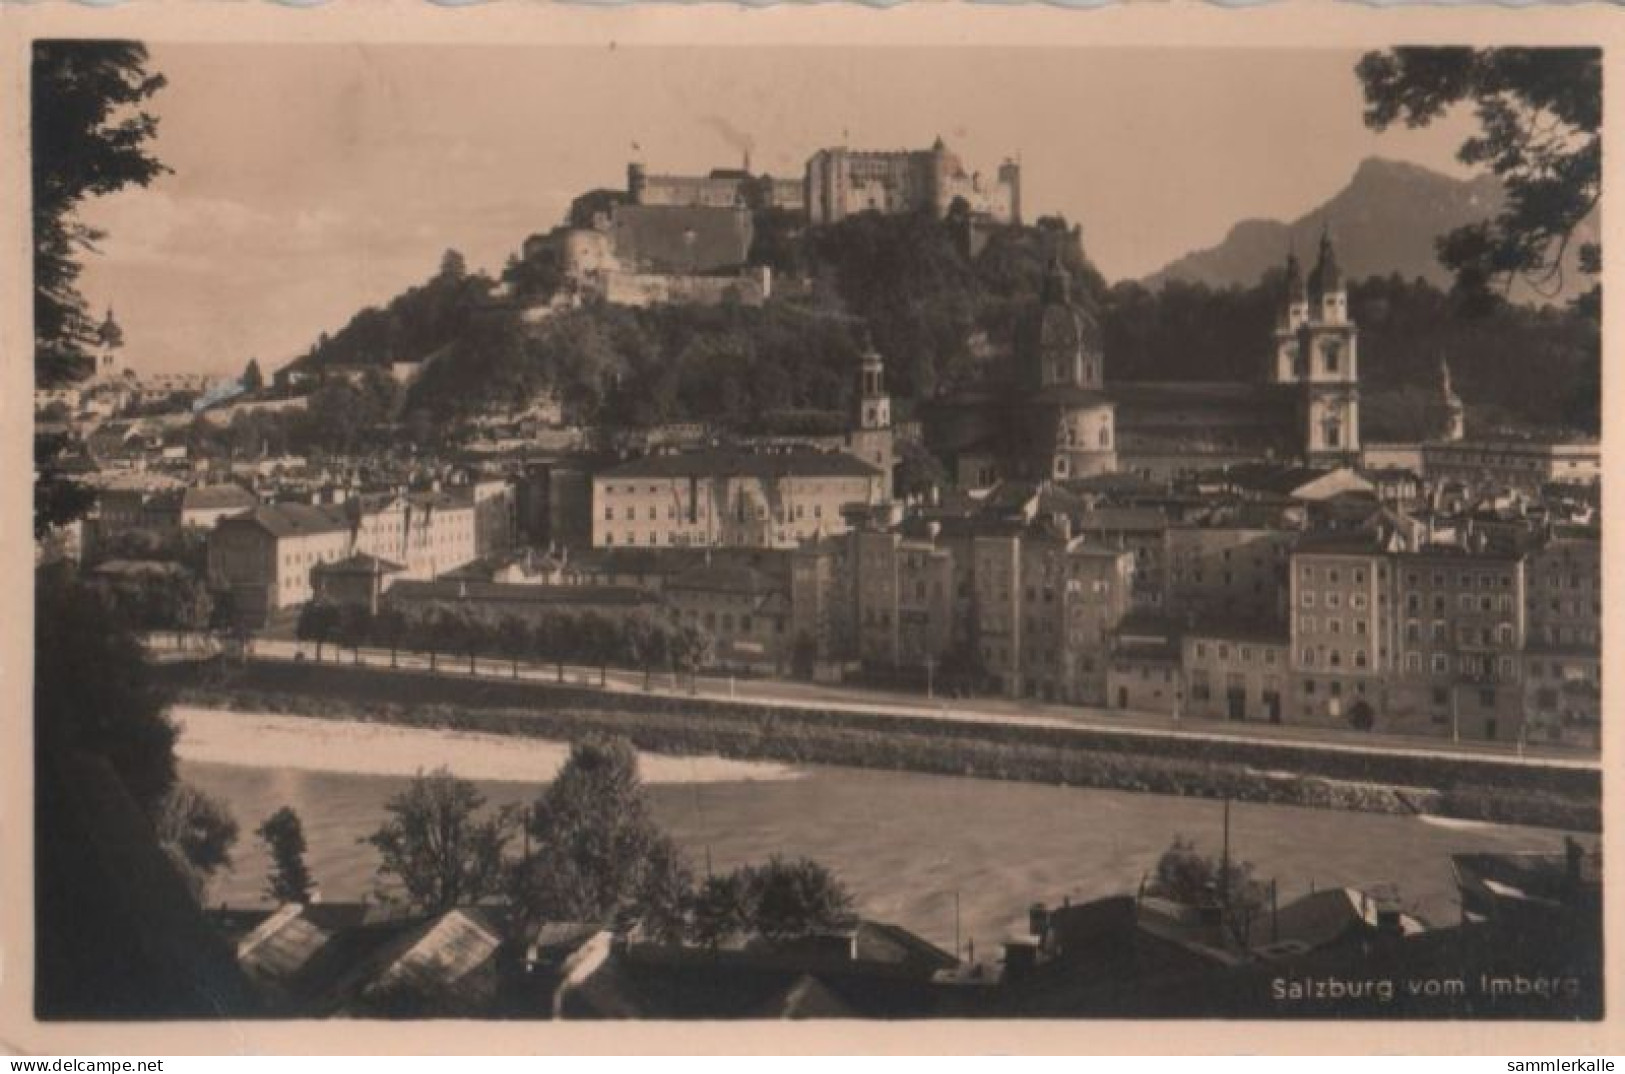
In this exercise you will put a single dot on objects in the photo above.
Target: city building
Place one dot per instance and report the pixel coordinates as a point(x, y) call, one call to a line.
point(729, 497)
point(1459, 642)
point(1342, 649)
point(264, 556)
point(1235, 571)
point(1236, 670)
point(1563, 640)
point(746, 612)
point(1525, 465)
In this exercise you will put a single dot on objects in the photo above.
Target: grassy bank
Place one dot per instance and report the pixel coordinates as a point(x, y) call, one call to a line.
point(1254, 772)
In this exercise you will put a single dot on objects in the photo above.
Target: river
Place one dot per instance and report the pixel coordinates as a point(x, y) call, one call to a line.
point(905, 844)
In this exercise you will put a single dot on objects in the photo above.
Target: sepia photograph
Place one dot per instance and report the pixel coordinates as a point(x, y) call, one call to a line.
point(557, 532)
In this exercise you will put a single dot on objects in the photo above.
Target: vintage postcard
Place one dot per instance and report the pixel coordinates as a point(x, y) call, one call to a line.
point(1029, 521)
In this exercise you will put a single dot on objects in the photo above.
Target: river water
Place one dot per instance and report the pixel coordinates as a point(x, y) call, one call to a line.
point(905, 844)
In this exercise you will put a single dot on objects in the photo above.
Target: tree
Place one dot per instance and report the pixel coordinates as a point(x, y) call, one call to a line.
point(437, 846)
point(785, 899)
point(390, 627)
point(284, 837)
point(514, 638)
point(58, 500)
point(90, 138)
point(198, 832)
point(318, 622)
point(117, 712)
point(252, 380)
point(691, 649)
point(1539, 112)
point(1187, 876)
point(354, 627)
point(453, 266)
point(597, 854)
point(919, 472)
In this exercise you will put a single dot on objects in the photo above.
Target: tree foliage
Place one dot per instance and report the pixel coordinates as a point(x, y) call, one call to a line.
point(1186, 875)
point(596, 852)
point(93, 690)
point(780, 900)
point(1516, 365)
point(438, 848)
point(198, 832)
point(89, 137)
point(284, 837)
point(1539, 113)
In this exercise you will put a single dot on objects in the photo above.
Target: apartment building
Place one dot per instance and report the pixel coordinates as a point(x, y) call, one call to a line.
point(1237, 671)
point(1460, 619)
point(1563, 641)
point(726, 497)
point(1235, 571)
point(1340, 592)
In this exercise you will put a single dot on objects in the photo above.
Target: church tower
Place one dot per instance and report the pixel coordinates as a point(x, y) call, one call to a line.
point(109, 340)
point(871, 438)
point(1073, 417)
point(1316, 351)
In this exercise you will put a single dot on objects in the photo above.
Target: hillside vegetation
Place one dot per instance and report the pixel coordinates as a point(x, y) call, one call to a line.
point(944, 320)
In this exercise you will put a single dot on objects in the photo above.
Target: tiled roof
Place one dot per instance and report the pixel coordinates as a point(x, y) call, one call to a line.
point(718, 462)
point(217, 497)
point(520, 593)
point(359, 563)
point(724, 577)
point(292, 519)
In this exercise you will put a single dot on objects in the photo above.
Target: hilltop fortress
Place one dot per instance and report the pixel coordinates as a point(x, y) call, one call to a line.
point(688, 238)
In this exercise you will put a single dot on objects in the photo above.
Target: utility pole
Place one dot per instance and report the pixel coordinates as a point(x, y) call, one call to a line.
point(1224, 860)
point(956, 924)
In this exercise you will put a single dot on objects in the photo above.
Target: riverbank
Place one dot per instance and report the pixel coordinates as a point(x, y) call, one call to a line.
point(1265, 773)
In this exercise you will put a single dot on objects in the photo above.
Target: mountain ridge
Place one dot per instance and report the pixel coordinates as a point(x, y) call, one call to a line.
point(1386, 219)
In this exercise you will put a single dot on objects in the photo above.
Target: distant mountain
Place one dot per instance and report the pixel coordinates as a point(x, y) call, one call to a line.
point(1384, 221)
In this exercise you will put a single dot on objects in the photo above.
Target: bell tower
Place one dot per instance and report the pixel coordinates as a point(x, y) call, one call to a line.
point(1324, 362)
point(109, 340)
point(871, 437)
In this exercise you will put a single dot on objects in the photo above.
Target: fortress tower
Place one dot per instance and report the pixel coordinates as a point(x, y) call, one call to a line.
point(1316, 351)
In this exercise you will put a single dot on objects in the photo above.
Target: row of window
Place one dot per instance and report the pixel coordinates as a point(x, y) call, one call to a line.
point(1244, 651)
point(1332, 601)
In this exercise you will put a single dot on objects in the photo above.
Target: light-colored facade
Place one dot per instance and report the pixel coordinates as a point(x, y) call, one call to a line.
point(729, 498)
point(1236, 674)
point(1526, 465)
point(843, 182)
point(1342, 653)
point(1317, 350)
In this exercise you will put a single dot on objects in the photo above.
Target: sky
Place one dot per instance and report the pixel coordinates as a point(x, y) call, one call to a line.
point(310, 181)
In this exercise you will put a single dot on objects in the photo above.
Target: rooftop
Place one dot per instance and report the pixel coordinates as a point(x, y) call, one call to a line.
point(731, 462)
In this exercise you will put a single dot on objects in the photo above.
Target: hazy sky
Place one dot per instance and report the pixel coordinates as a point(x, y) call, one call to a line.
point(310, 181)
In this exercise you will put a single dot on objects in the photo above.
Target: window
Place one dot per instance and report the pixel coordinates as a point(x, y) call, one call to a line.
point(1308, 599)
point(1413, 663)
point(1308, 657)
point(1441, 664)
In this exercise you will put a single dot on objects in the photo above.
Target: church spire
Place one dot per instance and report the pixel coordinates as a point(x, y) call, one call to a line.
point(1327, 276)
